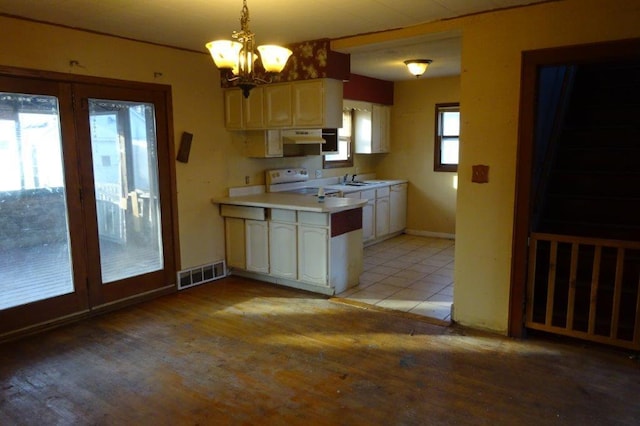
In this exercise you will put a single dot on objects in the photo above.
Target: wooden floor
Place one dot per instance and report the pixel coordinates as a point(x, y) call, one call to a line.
point(240, 352)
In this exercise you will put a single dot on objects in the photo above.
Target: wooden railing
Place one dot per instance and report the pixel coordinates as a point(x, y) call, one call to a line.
point(585, 287)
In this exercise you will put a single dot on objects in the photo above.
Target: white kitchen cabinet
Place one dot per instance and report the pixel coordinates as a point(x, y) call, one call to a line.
point(381, 128)
point(277, 105)
point(283, 244)
point(244, 113)
point(235, 242)
point(233, 105)
point(382, 211)
point(398, 207)
point(313, 248)
point(297, 104)
point(257, 245)
point(314, 103)
point(371, 127)
point(369, 215)
point(252, 113)
point(263, 144)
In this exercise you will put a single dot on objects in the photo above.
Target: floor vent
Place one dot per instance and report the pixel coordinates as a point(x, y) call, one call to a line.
point(201, 274)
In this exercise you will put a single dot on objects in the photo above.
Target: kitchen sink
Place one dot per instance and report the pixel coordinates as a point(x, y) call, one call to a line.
point(356, 184)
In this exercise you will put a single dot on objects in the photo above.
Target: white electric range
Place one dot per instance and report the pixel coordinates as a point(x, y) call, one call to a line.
point(294, 181)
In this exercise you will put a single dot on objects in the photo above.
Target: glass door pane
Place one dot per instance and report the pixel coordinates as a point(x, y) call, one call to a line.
point(34, 225)
point(125, 171)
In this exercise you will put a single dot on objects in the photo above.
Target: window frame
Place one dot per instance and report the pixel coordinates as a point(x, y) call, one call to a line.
point(335, 164)
point(438, 166)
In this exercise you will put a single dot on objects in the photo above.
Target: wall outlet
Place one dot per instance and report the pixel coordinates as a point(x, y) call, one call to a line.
point(318, 174)
point(247, 180)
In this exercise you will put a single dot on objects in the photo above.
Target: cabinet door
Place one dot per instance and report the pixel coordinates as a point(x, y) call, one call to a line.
point(382, 216)
point(257, 245)
point(277, 105)
point(308, 103)
point(313, 246)
point(233, 101)
point(283, 249)
point(235, 242)
point(253, 110)
point(362, 130)
point(355, 194)
point(383, 126)
point(368, 220)
point(263, 144)
point(398, 208)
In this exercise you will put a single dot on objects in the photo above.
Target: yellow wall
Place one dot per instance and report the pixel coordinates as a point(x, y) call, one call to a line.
point(431, 195)
point(492, 44)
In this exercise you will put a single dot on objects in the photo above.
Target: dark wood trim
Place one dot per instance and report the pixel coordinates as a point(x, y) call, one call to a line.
point(437, 140)
point(78, 173)
point(531, 62)
point(76, 78)
point(346, 221)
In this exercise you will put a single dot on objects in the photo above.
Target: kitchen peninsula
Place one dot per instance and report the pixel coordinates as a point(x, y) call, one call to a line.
point(294, 240)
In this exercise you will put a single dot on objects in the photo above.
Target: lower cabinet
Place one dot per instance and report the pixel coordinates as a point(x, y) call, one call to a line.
point(257, 245)
point(398, 212)
point(283, 246)
point(369, 215)
point(315, 251)
point(235, 242)
point(382, 211)
point(313, 248)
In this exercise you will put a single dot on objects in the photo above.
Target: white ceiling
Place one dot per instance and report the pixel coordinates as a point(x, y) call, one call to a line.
point(190, 24)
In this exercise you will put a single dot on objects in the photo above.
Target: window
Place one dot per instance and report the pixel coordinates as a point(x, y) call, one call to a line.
point(344, 156)
point(447, 138)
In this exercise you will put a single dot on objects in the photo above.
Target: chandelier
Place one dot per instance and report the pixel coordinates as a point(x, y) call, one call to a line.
point(417, 67)
point(237, 58)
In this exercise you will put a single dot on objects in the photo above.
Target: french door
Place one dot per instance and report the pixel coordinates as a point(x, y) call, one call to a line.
point(86, 206)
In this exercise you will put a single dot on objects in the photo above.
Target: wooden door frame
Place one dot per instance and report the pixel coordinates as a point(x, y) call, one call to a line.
point(53, 315)
point(531, 62)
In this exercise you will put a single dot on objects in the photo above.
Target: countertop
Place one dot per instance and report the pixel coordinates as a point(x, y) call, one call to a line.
point(279, 200)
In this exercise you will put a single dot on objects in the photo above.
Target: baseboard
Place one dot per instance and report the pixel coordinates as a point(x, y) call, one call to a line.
point(430, 234)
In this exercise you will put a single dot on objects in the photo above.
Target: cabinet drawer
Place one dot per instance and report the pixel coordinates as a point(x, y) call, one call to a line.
point(369, 194)
point(242, 212)
point(382, 192)
point(281, 215)
point(313, 218)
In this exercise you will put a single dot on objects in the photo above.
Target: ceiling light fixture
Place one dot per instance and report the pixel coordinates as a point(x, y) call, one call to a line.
point(237, 57)
point(417, 67)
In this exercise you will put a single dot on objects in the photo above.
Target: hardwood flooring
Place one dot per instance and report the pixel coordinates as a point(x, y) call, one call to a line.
point(240, 352)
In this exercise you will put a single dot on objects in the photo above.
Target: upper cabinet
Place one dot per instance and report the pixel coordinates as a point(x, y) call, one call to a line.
point(233, 107)
point(297, 104)
point(277, 106)
point(252, 114)
point(371, 127)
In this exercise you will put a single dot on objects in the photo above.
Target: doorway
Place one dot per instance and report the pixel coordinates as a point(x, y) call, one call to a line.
point(86, 204)
point(576, 248)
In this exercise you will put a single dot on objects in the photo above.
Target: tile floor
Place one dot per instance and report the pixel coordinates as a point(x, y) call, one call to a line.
point(408, 273)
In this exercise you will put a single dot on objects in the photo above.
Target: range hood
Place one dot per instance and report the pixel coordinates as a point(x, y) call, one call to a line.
point(302, 136)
